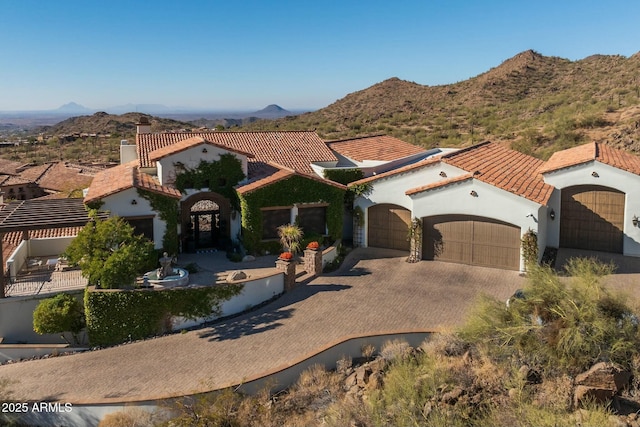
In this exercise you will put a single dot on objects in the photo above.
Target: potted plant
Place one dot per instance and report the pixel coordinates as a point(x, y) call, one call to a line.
point(313, 245)
point(286, 256)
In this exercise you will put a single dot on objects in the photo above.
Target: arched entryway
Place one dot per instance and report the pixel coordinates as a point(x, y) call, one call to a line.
point(592, 218)
point(205, 219)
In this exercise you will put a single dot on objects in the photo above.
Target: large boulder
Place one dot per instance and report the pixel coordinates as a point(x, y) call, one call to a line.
point(600, 383)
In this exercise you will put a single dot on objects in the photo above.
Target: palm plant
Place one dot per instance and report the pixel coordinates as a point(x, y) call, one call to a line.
point(290, 236)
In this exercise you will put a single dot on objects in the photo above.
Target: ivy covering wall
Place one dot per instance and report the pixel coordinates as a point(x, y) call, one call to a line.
point(290, 191)
point(114, 317)
point(220, 176)
point(168, 210)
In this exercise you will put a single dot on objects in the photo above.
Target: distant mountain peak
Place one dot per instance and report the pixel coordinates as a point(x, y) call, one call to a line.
point(73, 106)
point(272, 111)
point(272, 108)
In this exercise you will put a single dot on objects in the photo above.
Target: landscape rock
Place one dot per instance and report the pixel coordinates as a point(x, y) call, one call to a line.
point(236, 275)
point(362, 374)
point(600, 383)
point(350, 381)
point(248, 258)
point(376, 381)
point(378, 364)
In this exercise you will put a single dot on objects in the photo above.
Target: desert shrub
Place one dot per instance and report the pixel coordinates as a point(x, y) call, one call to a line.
point(219, 409)
point(130, 417)
point(559, 325)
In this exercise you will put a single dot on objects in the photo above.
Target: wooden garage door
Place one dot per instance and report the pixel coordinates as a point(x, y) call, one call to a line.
point(472, 240)
point(592, 218)
point(388, 227)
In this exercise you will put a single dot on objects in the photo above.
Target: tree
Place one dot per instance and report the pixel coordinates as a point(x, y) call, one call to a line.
point(109, 254)
point(58, 315)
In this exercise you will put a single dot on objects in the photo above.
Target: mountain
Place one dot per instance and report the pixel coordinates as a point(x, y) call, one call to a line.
point(272, 111)
point(534, 103)
point(104, 123)
point(146, 108)
point(72, 107)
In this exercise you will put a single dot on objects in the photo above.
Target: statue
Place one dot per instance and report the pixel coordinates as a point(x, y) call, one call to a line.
point(165, 266)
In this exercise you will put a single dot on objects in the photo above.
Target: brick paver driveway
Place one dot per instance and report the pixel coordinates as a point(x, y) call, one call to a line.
point(376, 291)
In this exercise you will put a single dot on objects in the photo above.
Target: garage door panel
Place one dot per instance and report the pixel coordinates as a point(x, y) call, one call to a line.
point(472, 240)
point(388, 226)
point(592, 218)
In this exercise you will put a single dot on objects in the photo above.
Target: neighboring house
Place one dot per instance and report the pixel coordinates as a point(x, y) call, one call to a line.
point(58, 179)
point(224, 186)
point(475, 204)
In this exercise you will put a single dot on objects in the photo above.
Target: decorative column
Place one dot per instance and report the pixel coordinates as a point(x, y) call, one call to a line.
point(415, 240)
point(313, 261)
point(288, 267)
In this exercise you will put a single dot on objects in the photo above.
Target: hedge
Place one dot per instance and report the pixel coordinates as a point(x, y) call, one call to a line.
point(114, 317)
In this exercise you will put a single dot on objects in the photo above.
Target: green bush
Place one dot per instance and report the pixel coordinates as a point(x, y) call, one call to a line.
point(57, 315)
point(114, 317)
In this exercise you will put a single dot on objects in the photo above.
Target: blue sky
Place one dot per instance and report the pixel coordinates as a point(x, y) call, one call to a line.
point(297, 54)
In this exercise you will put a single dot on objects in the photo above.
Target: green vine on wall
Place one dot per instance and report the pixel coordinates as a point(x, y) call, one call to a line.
point(530, 248)
point(296, 189)
point(168, 210)
point(120, 316)
point(220, 176)
point(343, 176)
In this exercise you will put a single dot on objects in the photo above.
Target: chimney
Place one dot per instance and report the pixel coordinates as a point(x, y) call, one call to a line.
point(143, 125)
point(127, 152)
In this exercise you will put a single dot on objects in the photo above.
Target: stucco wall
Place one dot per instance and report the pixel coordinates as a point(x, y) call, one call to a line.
point(392, 189)
point(255, 292)
point(606, 176)
point(120, 204)
point(16, 319)
point(50, 246)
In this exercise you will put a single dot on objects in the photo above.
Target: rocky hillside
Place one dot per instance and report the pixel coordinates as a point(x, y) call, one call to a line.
point(536, 103)
point(102, 124)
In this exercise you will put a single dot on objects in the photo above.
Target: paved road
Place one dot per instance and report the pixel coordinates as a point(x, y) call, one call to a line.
point(375, 292)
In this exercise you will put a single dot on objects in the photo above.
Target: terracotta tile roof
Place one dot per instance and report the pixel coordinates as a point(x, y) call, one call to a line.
point(438, 184)
point(65, 177)
point(592, 151)
point(188, 143)
point(504, 168)
point(122, 177)
point(34, 173)
point(280, 173)
point(382, 147)
point(8, 167)
point(413, 166)
point(14, 180)
point(293, 149)
point(263, 182)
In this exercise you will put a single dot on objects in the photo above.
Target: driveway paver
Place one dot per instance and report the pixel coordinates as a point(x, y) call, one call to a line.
point(375, 291)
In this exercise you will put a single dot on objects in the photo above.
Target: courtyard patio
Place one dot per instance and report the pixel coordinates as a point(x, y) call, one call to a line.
point(43, 275)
